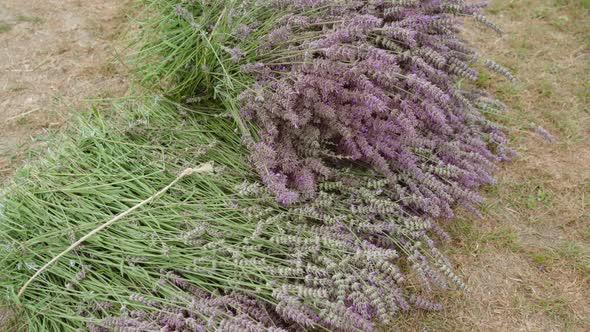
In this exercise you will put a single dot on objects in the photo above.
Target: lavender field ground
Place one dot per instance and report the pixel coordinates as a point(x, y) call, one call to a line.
point(53, 56)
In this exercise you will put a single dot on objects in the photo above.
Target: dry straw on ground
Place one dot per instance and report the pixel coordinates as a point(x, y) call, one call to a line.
point(53, 55)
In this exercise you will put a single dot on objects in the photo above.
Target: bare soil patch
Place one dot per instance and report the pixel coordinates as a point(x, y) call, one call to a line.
point(53, 55)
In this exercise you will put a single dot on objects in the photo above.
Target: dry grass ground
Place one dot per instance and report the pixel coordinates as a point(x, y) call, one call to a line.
point(528, 260)
point(53, 54)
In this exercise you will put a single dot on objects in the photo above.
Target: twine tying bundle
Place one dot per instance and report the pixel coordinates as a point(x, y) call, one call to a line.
point(204, 168)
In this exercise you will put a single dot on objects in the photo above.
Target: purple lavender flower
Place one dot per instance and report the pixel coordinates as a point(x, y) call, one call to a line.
point(545, 134)
point(356, 98)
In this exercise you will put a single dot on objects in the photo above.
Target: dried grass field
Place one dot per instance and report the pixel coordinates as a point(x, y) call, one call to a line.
point(53, 55)
point(527, 262)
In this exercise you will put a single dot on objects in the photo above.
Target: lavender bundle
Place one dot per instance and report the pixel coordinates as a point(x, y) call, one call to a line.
point(318, 87)
point(352, 129)
point(372, 82)
point(216, 252)
point(330, 82)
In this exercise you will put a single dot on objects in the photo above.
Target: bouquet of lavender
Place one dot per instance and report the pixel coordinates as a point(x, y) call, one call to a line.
point(216, 252)
point(321, 86)
point(318, 84)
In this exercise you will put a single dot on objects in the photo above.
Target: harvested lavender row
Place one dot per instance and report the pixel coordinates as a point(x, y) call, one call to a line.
point(373, 82)
point(321, 83)
point(216, 252)
point(317, 87)
point(340, 131)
